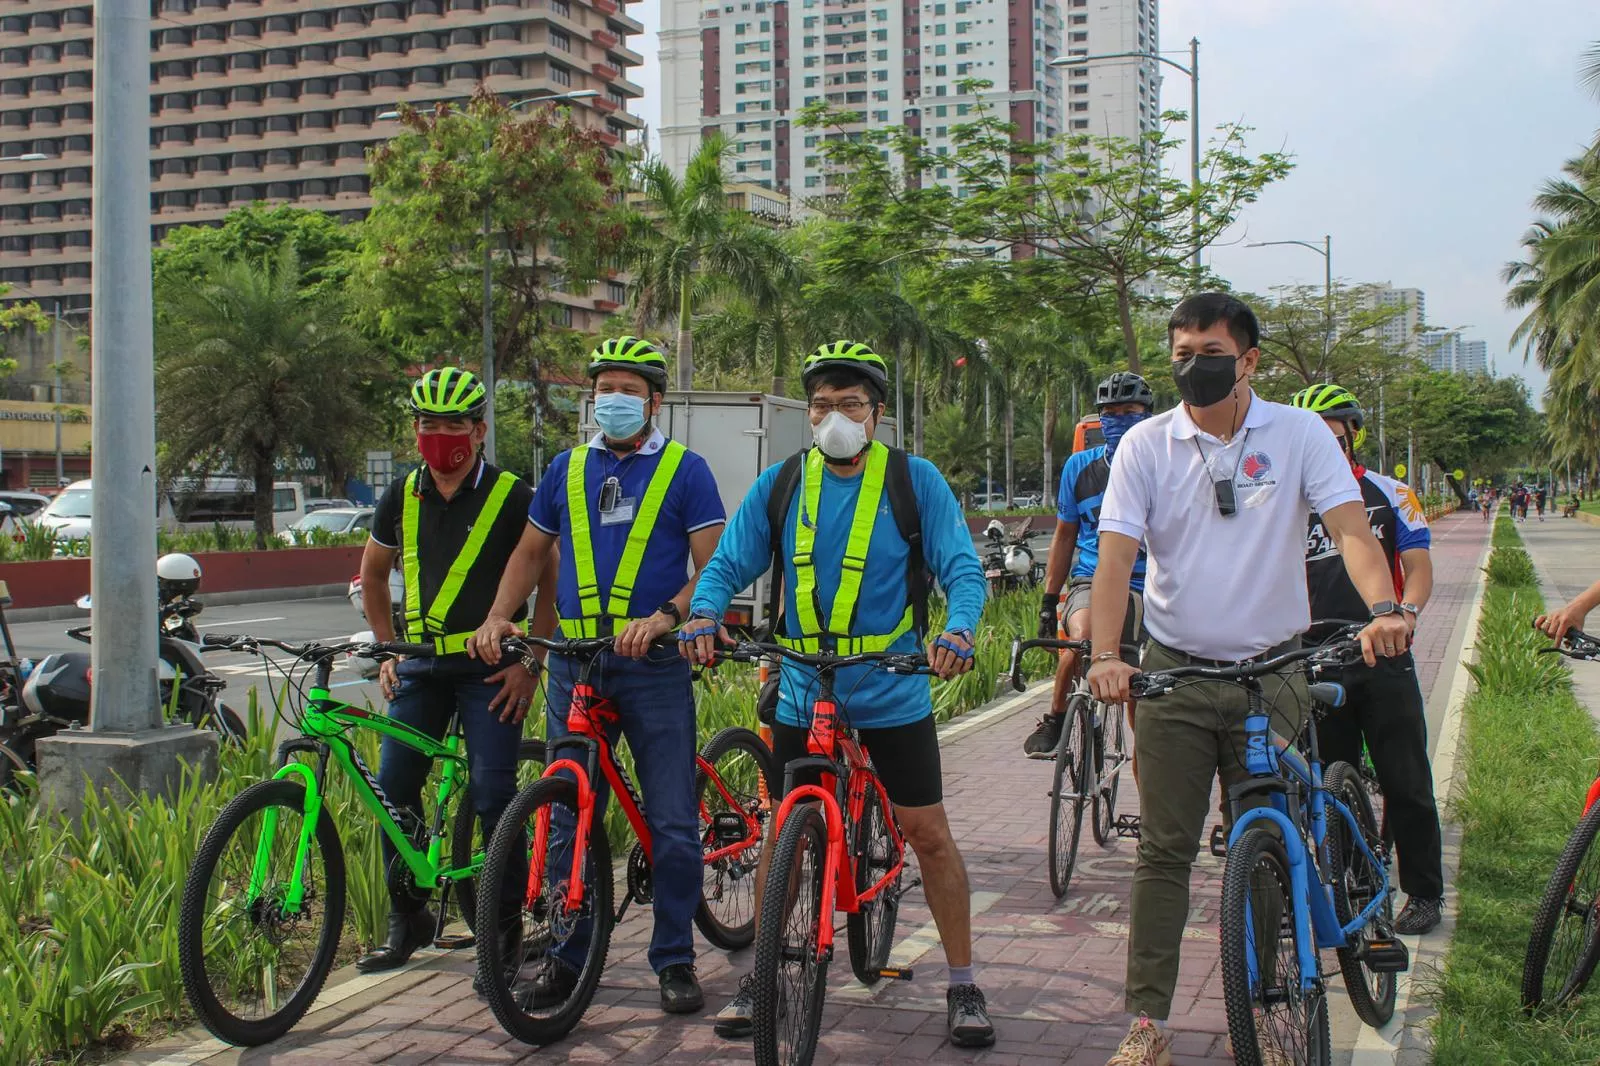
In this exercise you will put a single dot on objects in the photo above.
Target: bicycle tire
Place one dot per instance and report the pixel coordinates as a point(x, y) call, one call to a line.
point(10, 765)
point(1073, 753)
point(1308, 1035)
point(794, 884)
point(198, 915)
point(1355, 882)
point(732, 880)
point(1108, 740)
point(464, 843)
point(1578, 865)
point(513, 834)
point(869, 932)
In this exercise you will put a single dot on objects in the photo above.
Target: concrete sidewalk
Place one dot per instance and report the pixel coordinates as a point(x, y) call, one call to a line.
point(1052, 971)
point(1566, 553)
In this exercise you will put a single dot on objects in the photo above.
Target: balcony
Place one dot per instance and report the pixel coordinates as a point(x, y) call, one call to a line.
point(604, 104)
point(606, 306)
point(605, 7)
point(606, 71)
point(605, 38)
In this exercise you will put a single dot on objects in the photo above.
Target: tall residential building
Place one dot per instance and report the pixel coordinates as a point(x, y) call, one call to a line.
point(272, 100)
point(1447, 351)
point(1400, 333)
point(746, 67)
point(1474, 357)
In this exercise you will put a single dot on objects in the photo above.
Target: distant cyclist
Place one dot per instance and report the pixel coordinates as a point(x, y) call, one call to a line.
point(1383, 702)
point(1124, 400)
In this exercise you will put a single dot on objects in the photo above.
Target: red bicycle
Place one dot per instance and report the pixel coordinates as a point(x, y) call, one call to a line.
point(839, 848)
point(550, 842)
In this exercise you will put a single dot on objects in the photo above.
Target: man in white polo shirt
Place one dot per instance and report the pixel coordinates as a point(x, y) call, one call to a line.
point(1218, 490)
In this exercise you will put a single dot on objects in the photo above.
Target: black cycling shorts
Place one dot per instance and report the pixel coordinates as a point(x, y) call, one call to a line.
point(906, 758)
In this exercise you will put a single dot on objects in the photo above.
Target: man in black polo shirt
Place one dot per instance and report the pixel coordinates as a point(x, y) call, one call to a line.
point(454, 523)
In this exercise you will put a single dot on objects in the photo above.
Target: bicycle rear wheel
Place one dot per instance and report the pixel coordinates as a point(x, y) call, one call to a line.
point(1109, 740)
point(1356, 883)
point(870, 931)
point(791, 975)
point(466, 840)
point(251, 966)
point(552, 935)
point(1069, 791)
point(744, 788)
point(1265, 1005)
point(1564, 944)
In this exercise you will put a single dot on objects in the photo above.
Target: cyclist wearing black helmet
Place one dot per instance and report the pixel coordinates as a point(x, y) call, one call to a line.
point(453, 523)
point(1124, 400)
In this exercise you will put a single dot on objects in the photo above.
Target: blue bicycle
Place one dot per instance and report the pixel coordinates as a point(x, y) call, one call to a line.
point(1297, 880)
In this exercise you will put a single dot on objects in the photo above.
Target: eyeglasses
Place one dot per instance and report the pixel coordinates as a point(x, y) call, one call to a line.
point(610, 495)
point(849, 407)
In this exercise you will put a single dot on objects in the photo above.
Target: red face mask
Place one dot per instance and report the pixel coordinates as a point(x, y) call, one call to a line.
point(445, 452)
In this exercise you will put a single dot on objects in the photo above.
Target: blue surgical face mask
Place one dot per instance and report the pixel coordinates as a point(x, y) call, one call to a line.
point(1114, 426)
point(619, 415)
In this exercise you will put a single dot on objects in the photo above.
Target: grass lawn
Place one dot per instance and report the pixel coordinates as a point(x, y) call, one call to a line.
point(1530, 751)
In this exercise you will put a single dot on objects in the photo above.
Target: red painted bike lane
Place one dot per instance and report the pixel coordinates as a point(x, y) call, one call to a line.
point(1052, 970)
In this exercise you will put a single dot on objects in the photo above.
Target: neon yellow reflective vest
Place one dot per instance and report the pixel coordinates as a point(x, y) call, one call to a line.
point(835, 628)
point(430, 628)
point(599, 618)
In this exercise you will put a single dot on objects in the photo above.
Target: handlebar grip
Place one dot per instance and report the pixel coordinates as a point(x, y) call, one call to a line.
point(421, 651)
point(215, 640)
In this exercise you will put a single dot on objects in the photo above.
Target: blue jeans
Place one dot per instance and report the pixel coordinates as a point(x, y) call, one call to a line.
point(429, 692)
point(655, 707)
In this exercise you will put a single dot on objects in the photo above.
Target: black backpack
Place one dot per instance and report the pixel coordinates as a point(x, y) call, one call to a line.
point(902, 504)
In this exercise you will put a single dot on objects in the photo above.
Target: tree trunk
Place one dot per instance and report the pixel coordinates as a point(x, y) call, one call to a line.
point(1049, 442)
point(916, 362)
point(1011, 434)
point(780, 361)
point(1130, 339)
point(685, 352)
point(261, 474)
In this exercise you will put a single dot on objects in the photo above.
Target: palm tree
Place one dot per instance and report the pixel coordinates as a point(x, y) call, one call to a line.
point(250, 369)
point(691, 246)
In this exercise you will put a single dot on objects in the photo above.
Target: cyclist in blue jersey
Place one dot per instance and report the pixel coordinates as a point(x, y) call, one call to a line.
point(1124, 400)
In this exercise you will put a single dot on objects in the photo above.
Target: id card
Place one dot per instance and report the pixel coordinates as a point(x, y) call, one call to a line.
point(620, 514)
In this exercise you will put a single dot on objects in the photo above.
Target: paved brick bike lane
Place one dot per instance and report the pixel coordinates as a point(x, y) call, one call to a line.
point(1052, 970)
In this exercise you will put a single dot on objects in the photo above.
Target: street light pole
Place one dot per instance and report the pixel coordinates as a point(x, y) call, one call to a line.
point(55, 395)
point(1326, 251)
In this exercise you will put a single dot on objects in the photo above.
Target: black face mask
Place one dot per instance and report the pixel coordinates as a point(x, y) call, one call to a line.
point(1204, 380)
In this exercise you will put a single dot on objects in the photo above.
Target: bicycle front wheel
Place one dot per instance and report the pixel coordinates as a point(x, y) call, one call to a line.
point(1564, 945)
point(740, 790)
point(1069, 791)
point(565, 946)
point(466, 842)
point(1271, 1019)
point(1356, 883)
point(870, 931)
point(256, 937)
point(791, 974)
point(1109, 755)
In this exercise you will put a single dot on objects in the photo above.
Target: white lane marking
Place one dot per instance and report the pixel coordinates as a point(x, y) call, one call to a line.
point(241, 622)
point(1380, 1046)
point(915, 946)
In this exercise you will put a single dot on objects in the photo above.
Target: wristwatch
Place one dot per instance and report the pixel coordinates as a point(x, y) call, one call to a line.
point(670, 609)
point(1412, 609)
point(1383, 607)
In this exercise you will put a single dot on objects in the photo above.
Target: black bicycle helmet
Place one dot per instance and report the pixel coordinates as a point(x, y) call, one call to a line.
point(1124, 387)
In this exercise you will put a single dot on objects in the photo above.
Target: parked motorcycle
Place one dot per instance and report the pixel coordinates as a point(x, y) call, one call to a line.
point(397, 599)
point(1009, 563)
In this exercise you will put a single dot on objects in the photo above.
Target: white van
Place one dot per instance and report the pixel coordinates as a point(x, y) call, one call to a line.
point(188, 507)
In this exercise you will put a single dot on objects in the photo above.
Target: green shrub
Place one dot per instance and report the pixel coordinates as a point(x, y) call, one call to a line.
point(1511, 568)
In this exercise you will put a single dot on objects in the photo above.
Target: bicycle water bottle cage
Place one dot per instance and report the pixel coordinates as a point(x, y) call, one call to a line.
point(1329, 694)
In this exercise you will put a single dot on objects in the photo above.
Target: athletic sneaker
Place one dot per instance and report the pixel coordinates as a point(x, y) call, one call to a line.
point(1419, 916)
point(1145, 1045)
point(968, 1015)
point(733, 1021)
point(1046, 736)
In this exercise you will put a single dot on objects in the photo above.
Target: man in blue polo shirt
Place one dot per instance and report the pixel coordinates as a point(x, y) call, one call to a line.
point(630, 509)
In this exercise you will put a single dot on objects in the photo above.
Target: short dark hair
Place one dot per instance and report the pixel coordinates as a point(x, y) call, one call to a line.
point(842, 377)
point(1204, 310)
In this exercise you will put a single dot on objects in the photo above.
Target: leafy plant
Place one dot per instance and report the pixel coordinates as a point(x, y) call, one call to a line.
point(1511, 568)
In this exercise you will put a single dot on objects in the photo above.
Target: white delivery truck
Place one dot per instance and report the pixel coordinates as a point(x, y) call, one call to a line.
point(740, 434)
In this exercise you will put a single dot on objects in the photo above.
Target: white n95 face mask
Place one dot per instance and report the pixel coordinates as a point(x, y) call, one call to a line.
point(840, 436)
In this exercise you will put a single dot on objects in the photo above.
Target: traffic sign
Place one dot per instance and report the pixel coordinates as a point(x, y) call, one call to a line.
point(1400, 470)
point(1458, 473)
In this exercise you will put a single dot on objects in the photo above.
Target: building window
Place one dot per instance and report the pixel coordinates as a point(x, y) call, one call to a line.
point(314, 20)
point(351, 16)
point(352, 50)
point(426, 42)
point(280, 57)
point(559, 39)
point(280, 24)
point(560, 75)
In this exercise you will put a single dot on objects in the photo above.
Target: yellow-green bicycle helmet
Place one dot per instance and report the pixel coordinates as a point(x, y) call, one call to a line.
point(1334, 401)
point(449, 392)
point(847, 355)
point(633, 355)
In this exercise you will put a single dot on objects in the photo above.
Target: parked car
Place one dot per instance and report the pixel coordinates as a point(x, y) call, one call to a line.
point(322, 503)
point(1027, 499)
point(329, 520)
point(190, 506)
point(24, 504)
point(995, 501)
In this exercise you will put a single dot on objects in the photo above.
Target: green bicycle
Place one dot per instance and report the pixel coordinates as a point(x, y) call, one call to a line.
point(264, 901)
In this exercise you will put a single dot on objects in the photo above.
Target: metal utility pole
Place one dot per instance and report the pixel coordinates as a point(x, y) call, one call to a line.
point(55, 395)
point(488, 329)
point(1326, 251)
point(988, 450)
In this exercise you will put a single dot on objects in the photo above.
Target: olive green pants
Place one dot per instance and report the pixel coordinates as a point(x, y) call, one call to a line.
point(1185, 740)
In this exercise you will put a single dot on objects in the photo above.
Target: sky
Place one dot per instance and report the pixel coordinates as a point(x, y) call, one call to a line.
point(1421, 130)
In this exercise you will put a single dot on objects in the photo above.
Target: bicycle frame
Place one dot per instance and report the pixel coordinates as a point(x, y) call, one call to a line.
point(1278, 770)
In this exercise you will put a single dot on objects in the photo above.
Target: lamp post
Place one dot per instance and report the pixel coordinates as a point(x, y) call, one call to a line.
point(1326, 251)
point(488, 285)
point(1192, 71)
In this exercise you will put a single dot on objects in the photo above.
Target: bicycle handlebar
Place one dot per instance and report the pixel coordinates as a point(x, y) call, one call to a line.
point(1159, 683)
point(749, 651)
point(1575, 644)
point(1018, 646)
point(366, 649)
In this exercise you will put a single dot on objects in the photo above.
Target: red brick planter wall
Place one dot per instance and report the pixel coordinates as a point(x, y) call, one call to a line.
point(56, 582)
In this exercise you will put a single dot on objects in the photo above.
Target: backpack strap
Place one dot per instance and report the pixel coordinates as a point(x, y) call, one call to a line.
point(903, 505)
point(783, 491)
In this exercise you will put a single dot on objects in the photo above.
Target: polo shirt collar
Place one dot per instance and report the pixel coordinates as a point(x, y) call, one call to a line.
point(1258, 414)
point(653, 443)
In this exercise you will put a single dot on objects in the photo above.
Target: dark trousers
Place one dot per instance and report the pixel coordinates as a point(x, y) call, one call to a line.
point(654, 699)
point(1384, 703)
point(430, 691)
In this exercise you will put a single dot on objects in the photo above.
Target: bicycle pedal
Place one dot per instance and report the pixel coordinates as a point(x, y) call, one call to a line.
point(1219, 842)
point(1127, 826)
point(902, 973)
point(454, 941)
point(1386, 955)
point(915, 882)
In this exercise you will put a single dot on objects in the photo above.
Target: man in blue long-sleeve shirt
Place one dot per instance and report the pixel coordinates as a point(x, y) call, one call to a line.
point(846, 384)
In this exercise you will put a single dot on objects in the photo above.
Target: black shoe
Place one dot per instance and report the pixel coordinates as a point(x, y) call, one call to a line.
point(680, 989)
point(1045, 738)
point(407, 933)
point(969, 1017)
point(552, 986)
point(510, 955)
point(734, 1020)
point(1419, 916)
